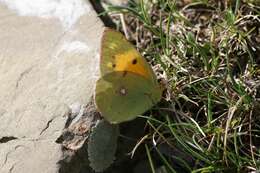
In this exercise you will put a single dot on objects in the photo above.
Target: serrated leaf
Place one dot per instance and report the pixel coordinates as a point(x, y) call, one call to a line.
point(102, 145)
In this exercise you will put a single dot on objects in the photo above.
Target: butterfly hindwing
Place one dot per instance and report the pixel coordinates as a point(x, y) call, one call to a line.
point(121, 96)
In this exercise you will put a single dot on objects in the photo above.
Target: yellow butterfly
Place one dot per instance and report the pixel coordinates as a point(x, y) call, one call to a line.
point(127, 86)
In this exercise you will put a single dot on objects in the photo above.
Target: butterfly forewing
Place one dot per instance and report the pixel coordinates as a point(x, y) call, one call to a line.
point(117, 54)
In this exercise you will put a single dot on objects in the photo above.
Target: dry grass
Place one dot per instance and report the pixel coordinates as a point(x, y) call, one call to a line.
point(207, 54)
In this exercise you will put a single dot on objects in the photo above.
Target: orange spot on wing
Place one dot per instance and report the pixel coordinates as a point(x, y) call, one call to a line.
point(124, 62)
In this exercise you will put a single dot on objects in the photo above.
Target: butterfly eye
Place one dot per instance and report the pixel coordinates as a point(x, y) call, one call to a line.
point(114, 65)
point(134, 61)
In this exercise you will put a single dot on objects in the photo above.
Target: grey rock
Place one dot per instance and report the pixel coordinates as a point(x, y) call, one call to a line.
point(49, 55)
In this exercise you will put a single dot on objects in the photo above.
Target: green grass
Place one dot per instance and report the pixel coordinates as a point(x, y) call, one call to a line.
point(207, 55)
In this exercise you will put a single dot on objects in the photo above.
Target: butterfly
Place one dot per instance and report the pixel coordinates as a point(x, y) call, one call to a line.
point(127, 86)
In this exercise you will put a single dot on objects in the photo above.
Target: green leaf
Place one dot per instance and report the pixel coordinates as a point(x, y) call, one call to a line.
point(102, 145)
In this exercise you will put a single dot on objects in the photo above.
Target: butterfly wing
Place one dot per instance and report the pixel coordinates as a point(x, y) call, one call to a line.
point(121, 96)
point(117, 54)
